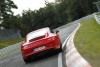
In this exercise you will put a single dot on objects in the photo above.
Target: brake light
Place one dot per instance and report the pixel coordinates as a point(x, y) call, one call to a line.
point(25, 47)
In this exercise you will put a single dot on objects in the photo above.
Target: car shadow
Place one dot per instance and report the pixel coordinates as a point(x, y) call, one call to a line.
point(44, 56)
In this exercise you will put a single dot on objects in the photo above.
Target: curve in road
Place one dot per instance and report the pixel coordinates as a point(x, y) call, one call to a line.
point(15, 59)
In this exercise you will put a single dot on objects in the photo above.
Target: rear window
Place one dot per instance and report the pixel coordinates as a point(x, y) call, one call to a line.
point(38, 33)
point(37, 38)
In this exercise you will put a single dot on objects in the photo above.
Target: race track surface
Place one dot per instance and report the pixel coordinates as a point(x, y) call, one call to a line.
point(51, 60)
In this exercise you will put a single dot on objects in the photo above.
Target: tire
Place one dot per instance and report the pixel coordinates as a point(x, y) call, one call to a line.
point(26, 60)
point(60, 47)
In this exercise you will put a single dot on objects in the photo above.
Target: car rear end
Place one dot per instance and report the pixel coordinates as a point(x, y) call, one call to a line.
point(40, 46)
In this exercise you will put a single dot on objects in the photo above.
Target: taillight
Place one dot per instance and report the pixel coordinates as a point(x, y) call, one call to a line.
point(25, 47)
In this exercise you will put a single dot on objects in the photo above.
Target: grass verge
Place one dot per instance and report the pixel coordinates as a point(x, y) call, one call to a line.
point(87, 41)
point(9, 42)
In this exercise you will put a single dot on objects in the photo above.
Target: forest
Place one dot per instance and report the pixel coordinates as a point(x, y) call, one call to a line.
point(53, 15)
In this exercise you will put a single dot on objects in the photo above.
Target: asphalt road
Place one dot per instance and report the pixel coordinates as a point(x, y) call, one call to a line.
point(15, 59)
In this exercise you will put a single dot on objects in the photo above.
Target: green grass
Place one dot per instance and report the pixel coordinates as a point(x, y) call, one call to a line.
point(9, 42)
point(87, 41)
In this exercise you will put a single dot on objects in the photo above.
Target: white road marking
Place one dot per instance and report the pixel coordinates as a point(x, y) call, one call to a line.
point(74, 59)
point(65, 41)
point(68, 38)
point(2, 61)
point(7, 60)
point(60, 60)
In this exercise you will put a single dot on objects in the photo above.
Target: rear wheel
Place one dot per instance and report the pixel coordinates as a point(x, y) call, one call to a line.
point(26, 60)
point(60, 47)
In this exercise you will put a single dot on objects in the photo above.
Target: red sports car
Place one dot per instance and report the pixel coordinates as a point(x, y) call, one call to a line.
point(40, 42)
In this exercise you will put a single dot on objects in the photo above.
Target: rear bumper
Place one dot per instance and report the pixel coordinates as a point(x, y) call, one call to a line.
point(44, 52)
point(50, 44)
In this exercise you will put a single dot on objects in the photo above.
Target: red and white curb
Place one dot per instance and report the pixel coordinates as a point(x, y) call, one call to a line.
point(73, 58)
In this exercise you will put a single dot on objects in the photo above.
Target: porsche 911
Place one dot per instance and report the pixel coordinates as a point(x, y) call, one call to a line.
point(40, 42)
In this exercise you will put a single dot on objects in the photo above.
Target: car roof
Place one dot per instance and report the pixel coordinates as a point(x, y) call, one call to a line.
point(37, 33)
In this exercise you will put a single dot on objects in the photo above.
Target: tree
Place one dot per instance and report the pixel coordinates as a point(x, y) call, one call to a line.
point(77, 8)
point(5, 9)
point(53, 15)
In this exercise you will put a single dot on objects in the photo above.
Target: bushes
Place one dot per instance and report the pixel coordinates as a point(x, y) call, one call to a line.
point(53, 15)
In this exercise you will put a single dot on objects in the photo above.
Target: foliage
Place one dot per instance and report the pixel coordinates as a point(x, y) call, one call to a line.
point(5, 8)
point(9, 42)
point(53, 15)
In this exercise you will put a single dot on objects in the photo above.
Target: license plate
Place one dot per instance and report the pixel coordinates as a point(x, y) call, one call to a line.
point(39, 48)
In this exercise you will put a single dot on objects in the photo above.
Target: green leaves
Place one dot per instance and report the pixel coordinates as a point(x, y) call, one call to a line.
point(53, 15)
point(5, 8)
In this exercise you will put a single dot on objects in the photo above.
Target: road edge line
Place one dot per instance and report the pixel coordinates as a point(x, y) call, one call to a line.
point(69, 36)
point(60, 60)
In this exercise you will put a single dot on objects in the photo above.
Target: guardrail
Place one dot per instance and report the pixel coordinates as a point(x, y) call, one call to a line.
point(97, 17)
point(9, 49)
